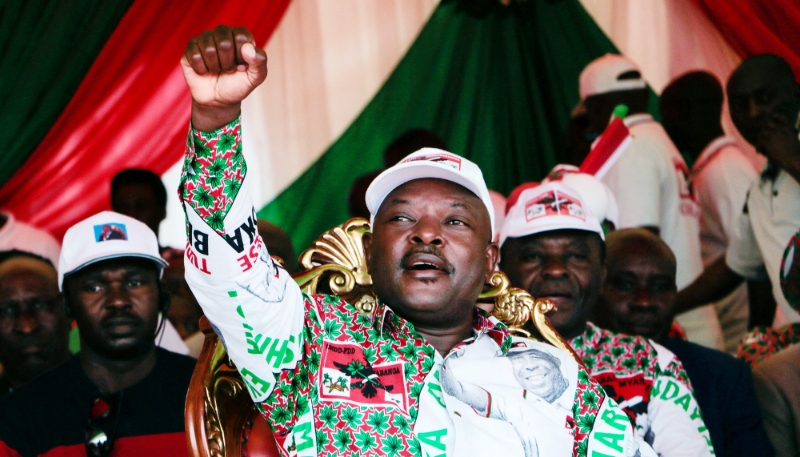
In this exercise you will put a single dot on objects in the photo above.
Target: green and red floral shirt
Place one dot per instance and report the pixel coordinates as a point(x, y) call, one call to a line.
point(332, 381)
point(650, 384)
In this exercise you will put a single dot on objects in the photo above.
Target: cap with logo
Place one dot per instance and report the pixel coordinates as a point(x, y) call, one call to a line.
point(430, 163)
point(597, 196)
point(607, 74)
point(546, 208)
point(106, 235)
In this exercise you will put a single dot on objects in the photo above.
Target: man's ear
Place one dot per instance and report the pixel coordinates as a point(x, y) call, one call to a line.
point(366, 240)
point(492, 257)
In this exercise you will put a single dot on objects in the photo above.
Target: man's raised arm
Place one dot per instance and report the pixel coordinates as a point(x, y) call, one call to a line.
point(254, 306)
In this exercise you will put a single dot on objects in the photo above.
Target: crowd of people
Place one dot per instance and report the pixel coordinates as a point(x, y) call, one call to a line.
point(675, 288)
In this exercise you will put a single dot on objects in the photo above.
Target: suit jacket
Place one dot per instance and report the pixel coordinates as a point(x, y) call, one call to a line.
point(723, 387)
point(777, 383)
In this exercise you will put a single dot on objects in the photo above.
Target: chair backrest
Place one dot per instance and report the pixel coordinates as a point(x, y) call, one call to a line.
point(221, 420)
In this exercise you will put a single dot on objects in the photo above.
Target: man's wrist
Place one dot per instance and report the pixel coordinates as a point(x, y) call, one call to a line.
point(208, 118)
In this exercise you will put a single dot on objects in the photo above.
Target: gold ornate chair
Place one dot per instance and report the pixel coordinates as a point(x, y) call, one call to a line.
point(221, 420)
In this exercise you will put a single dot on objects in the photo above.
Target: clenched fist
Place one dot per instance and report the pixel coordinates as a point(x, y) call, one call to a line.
point(221, 67)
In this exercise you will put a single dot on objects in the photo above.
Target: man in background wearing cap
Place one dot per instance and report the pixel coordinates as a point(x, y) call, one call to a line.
point(639, 299)
point(553, 247)
point(691, 112)
point(649, 180)
point(120, 392)
point(34, 329)
point(329, 379)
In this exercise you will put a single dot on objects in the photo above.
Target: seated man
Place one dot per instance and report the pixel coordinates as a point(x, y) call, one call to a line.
point(332, 381)
point(34, 330)
point(553, 247)
point(639, 299)
point(120, 392)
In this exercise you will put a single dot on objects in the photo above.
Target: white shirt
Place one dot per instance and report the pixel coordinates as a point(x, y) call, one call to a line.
point(649, 182)
point(23, 237)
point(762, 233)
point(720, 179)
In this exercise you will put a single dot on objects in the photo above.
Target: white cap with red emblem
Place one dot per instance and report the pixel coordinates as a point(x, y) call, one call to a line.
point(106, 235)
point(546, 208)
point(429, 163)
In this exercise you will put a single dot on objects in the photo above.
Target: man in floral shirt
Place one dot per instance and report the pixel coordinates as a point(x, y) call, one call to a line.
point(554, 247)
point(332, 381)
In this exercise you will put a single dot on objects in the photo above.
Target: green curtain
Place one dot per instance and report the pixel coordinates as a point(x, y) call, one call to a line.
point(47, 47)
point(496, 83)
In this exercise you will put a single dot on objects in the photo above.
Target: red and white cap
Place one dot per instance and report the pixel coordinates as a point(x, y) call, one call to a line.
point(597, 196)
point(602, 75)
point(429, 163)
point(106, 235)
point(546, 208)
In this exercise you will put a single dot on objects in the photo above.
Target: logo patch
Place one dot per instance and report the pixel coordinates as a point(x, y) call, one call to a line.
point(553, 203)
point(347, 375)
point(110, 231)
point(445, 159)
point(632, 393)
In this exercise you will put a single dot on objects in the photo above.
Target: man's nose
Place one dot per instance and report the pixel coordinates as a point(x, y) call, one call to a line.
point(642, 298)
point(118, 296)
point(27, 322)
point(554, 267)
point(753, 109)
point(427, 231)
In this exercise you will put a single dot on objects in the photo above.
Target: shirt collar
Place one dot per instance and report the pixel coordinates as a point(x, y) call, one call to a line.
point(482, 324)
point(710, 151)
point(636, 119)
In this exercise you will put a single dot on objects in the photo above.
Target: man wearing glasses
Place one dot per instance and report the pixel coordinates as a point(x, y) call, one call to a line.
point(120, 393)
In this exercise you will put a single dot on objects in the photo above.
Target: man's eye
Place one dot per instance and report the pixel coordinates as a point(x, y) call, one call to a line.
point(530, 256)
point(624, 285)
point(399, 219)
point(135, 283)
point(7, 311)
point(92, 288)
point(456, 222)
point(577, 256)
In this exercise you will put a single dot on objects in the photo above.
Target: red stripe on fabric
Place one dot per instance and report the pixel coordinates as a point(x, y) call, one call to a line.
point(161, 445)
point(131, 110)
point(608, 143)
point(756, 26)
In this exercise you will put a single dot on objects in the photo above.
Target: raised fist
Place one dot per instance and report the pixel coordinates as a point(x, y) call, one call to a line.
point(222, 67)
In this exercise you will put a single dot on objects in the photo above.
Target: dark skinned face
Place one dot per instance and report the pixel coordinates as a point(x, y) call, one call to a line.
point(139, 202)
point(34, 329)
point(115, 303)
point(755, 95)
point(430, 252)
point(564, 266)
point(640, 292)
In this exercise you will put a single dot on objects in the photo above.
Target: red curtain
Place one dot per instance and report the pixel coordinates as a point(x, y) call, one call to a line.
point(131, 110)
point(758, 26)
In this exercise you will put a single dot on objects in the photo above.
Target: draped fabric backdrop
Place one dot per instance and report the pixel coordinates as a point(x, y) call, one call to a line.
point(93, 88)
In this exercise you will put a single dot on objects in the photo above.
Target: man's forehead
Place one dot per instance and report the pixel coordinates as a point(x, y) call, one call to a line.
point(123, 265)
point(447, 189)
point(27, 265)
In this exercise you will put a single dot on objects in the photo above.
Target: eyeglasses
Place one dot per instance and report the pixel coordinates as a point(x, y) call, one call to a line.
point(100, 427)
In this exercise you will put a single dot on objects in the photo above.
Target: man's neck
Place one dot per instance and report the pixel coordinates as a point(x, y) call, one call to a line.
point(696, 145)
point(110, 375)
point(443, 340)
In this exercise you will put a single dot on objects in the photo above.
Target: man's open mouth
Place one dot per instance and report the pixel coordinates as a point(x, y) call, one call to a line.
point(424, 261)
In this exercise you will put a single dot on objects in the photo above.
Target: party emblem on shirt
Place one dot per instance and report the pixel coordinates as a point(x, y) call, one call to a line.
point(553, 203)
point(110, 231)
point(346, 374)
point(445, 159)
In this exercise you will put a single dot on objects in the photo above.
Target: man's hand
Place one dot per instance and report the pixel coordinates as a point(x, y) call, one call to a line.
point(221, 67)
point(779, 142)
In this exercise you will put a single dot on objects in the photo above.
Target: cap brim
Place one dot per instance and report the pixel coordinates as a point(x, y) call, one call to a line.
point(395, 177)
point(558, 223)
point(158, 261)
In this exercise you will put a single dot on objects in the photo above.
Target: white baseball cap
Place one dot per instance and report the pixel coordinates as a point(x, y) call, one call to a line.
point(546, 208)
point(429, 163)
point(602, 76)
point(106, 235)
point(594, 192)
